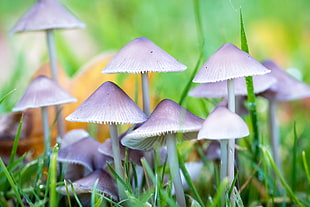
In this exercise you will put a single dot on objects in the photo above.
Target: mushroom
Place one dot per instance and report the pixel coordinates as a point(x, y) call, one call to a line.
point(85, 185)
point(109, 104)
point(143, 56)
point(48, 15)
point(41, 93)
point(223, 124)
point(228, 63)
point(286, 88)
point(161, 128)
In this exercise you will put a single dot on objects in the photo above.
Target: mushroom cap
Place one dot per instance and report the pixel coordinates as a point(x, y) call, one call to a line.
point(219, 89)
point(286, 88)
point(108, 104)
point(84, 152)
point(142, 55)
point(42, 92)
point(73, 136)
point(229, 62)
point(85, 185)
point(168, 117)
point(47, 14)
point(223, 124)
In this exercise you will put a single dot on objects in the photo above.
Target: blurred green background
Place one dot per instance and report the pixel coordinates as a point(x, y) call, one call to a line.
point(277, 30)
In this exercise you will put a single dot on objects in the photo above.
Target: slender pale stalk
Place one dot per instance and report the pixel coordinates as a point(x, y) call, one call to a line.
point(274, 132)
point(174, 169)
point(53, 66)
point(47, 142)
point(231, 142)
point(117, 158)
point(146, 93)
point(146, 109)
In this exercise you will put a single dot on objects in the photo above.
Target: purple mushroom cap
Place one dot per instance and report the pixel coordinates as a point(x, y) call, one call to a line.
point(108, 104)
point(286, 88)
point(223, 124)
point(142, 55)
point(168, 117)
point(43, 92)
point(44, 15)
point(229, 62)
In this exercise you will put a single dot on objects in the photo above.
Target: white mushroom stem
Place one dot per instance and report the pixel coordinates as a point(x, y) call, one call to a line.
point(53, 67)
point(146, 108)
point(146, 93)
point(117, 158)
point(47, 142)
point(174, 169)
point(274, 132)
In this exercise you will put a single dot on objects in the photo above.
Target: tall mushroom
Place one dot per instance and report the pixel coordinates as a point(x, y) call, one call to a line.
point(160, 129)
point(143, 56)
point(48, 15)
point(228, 63)
point(287, 88)
point(41, 93)
point(109, 104)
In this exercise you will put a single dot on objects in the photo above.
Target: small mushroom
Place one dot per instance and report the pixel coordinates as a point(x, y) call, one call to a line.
point(287, 88)
point(109, 104)
point(229, 63)
point(143, 56)
point(85, 185)
point(161, 128)
point(223, 124)
point(41, 93)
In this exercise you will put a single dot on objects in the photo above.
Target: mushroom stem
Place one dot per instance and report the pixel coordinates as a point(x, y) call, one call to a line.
point(47, 142)
point(231, 142)
point(146, 93)
point(53, 67)
point(274, 132)
point(174, 169)
point(117, 158)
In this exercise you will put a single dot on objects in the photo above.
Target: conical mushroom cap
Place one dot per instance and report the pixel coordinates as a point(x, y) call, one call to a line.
point(223, 124)
point(85, 185)
point(43, 92)
point(286, 88)
point(142, 55)
point(44, 15)
point(84, 152)
point(108, 104)
point(229, 62)
point(168, 117)
point(219, 89)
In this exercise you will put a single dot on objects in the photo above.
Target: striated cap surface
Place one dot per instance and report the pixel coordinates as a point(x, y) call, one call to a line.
point(168, 117)
point(223, 124)
point(229, 62)
point(42, 92)
point(108, 104)
point(142, 55)
point(47, 14)
point(219, 89)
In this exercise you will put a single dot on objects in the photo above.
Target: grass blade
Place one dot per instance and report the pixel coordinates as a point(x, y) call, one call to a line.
point(12, 182)
point(294, 160)
point(251, 96)
point(189, 180)
point(52, 172)
point(305, 165)
point(16, 140)
point(278, 173)
point(6, 95)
